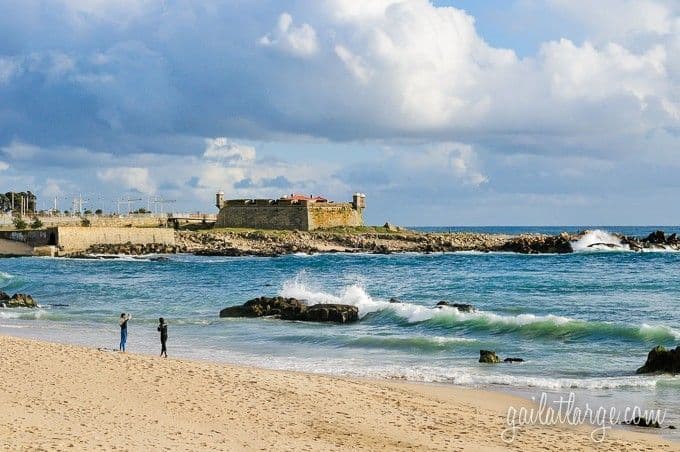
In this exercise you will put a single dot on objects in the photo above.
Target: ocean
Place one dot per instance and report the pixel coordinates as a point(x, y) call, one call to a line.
point(583, 322)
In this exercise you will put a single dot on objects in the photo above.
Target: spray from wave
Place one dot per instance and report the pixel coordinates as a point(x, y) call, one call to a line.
point(598, 240)
point(443, 317)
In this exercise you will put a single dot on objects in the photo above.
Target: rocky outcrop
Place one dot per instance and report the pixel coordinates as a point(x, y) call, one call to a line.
point(128, 249)
point(18, 300)
point(462, 307)
point(338, 313)
point(537, 244)
point(293, 309)
point(661, 360)
point(488, 357)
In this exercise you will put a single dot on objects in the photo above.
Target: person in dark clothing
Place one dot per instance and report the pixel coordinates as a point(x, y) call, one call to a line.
point(163, 328)
point(123, 330)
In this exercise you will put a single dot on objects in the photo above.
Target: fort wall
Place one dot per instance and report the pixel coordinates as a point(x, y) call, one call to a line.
point(252, 215)
point(333, 215)
point(135, 221)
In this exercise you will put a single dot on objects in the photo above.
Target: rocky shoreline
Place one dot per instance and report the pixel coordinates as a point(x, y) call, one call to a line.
point(376, 240)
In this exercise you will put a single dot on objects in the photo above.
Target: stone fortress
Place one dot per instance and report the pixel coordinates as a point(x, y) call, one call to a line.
point(293, 212)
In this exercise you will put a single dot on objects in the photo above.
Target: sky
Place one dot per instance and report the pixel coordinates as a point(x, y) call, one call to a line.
point(446, 112)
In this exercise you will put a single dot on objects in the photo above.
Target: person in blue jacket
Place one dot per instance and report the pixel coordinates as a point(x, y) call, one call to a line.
point(124, 318)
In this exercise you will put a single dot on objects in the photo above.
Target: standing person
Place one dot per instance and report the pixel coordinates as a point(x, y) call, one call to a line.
point(163, 328)
point(123, 329)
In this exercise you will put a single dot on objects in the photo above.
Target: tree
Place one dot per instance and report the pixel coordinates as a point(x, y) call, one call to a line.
point(19, 223)
point(98, 212)
point(36, 224)
point(88, 212)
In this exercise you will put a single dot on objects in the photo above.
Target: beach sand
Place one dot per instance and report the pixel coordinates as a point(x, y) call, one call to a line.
point(62, 397)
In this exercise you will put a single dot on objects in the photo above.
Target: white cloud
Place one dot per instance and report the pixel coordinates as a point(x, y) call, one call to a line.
point(299, 41)
point(132, 178)
point(622, 19)
point(3, 166)
point(354, 64)
point(222, 148)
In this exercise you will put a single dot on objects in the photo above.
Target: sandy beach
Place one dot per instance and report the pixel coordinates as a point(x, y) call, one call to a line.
point(62, 397)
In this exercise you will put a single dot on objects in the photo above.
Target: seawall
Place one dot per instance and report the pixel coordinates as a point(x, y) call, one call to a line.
point(78, 239)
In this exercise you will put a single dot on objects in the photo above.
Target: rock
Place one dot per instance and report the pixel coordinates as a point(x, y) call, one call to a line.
point(394, 300)
point(656, 237)
point(293, 309)
point(661, 360)
point(488, 357)
point(513, 360)
point(535, 244)
point(390, 227)
point(462, 307)
point(263, 306)
point(338, 313)
point(3, 296)
point(20, 300)
point(640, 421)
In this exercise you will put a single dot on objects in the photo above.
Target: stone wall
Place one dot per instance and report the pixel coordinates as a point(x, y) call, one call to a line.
point(334, 215)
point(74, 239)
point(139, 221)
point(38, 237)
point(303, 217)
point(263, 217)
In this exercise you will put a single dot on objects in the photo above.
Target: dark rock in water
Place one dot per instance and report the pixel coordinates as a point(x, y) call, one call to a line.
point(395, 300)
point(488, 357)
point(462, 307)
point(259, 307)
point(21, 300)
point(529, 244)
point(513, 360)
point(338, 313)
point(656, 237)
point(3, 296)
point(639, 421)
point(661, 360)
point(672, 239)
point(293, 309)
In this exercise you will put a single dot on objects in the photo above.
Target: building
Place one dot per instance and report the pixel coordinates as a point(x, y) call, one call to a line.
point(304, 213)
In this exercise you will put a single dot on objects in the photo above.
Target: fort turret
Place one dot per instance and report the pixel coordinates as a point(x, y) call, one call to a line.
point(219, 199)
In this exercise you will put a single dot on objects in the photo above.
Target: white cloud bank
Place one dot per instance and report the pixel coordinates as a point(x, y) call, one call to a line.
point(132, 178)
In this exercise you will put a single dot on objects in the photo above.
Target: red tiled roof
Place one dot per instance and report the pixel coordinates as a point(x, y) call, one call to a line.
point(298, 197)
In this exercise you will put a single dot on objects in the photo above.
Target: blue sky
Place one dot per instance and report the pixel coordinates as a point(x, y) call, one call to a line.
point(445, 113)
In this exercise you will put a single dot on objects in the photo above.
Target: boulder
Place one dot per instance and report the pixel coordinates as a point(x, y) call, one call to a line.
point(661, 360)
point(395, 300)
point(293, 309)
point(338, 313)
point(3, 296)
point(462, 307)
point(640, 421)
point(488, 357)
point(20, 300)
point(656, 237)
point(287, 308)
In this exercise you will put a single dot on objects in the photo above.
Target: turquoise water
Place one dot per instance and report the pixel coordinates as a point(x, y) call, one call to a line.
point(583, 322)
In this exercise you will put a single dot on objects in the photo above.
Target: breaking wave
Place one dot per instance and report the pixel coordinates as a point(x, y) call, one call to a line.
point(527, 325)
point(598, 240)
